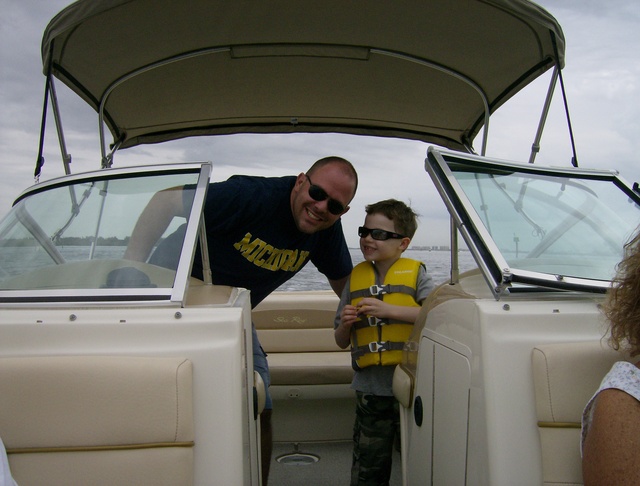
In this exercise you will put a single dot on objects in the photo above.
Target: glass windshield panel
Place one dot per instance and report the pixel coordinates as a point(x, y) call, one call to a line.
point(75, 236)
point(561, 225)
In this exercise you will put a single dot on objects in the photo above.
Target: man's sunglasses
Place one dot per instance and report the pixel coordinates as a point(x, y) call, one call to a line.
point(317, 193)
point(378, 234)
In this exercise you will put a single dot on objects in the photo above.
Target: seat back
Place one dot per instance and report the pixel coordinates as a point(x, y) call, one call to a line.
point(565, 376)
point(98, 420)
point(310, 375)
point(298, 337)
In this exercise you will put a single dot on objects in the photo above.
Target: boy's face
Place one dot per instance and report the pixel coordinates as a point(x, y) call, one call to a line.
point(380, 250)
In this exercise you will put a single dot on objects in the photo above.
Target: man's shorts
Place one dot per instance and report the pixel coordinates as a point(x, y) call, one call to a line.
point(261, 365)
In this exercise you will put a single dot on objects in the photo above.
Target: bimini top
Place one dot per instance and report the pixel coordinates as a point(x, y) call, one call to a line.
point(431, 70)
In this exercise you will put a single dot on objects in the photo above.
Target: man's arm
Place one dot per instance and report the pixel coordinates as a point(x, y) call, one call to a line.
point(152, 223)
point(338, 285)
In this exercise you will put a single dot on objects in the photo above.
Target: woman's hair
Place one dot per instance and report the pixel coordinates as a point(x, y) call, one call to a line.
point(622, 306)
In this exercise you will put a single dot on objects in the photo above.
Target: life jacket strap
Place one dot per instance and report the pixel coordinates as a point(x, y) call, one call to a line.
point(372, 291)
point(376, 347)
point(370, 321)
point(377, 290)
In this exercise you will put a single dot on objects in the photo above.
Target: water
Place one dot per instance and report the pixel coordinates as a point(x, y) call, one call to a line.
point(438, 265)
point(21, 260)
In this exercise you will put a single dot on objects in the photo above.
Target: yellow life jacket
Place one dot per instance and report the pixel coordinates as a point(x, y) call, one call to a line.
point(378, 341)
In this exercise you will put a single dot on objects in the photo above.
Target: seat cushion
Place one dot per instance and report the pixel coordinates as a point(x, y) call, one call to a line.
point(97, 419)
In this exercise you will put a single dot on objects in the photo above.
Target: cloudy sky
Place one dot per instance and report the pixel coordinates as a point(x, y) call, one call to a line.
point(602, 80)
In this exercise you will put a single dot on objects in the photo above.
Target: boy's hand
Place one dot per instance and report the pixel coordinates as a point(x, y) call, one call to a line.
point(373, 307)
point(342, 334)
point(349, 316)
point(383, 310)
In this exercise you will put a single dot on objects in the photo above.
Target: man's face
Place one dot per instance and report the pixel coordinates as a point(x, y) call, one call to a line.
point(312, 215)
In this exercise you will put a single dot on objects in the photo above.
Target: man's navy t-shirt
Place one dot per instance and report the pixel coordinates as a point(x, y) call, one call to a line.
point(254, 242)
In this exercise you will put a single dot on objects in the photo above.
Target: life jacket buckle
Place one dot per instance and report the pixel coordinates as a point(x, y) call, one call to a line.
point(378, 290)
point(373, 321)
point(375, 347)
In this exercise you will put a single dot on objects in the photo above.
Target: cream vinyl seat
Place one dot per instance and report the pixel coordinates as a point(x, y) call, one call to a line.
point(299, 340)
point(97, 420)
point(565, 376)
point(310, 375)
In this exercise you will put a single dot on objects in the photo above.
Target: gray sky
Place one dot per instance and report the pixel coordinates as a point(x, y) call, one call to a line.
point(602, 80)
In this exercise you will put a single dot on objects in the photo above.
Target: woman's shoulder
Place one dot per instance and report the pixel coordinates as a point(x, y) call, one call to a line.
point(623, 376)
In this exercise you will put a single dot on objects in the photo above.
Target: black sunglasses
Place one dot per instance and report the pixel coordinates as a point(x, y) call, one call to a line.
point(317, 193)
point(378, 234)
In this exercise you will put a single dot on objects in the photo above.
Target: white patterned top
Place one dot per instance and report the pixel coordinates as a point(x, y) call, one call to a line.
point(623, 376)
point(5, 474)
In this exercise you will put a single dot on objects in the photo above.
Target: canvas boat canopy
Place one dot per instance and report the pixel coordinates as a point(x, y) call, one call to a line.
point(157, 70)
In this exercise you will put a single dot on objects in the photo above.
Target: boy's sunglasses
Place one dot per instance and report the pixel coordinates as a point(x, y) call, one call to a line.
point(378, 234)
point(317, 193)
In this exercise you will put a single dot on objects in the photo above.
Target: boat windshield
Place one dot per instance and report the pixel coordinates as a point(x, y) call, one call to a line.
point(72, 236)
point(561, 228)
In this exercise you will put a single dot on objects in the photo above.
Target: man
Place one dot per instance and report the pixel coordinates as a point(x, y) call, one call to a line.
point(261, 232)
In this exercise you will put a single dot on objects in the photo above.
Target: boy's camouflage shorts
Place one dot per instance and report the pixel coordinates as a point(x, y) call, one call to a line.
point(376, 425)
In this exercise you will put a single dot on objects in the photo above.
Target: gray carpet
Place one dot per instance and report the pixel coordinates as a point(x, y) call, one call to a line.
point(332, 468)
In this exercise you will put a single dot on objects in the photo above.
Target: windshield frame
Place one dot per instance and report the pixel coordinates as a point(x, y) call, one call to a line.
point(501, 275)
point(174, 294)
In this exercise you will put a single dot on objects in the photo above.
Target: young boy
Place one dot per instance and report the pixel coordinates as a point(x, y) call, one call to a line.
point(377, 310)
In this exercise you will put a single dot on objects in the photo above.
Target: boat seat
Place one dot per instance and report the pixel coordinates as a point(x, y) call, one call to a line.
point(98, 420)
point(201, 294)
point(310, 375)
point(565, 377)
point(301, 346)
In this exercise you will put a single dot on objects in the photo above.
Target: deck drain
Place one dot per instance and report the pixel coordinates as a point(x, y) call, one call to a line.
point(297, 459)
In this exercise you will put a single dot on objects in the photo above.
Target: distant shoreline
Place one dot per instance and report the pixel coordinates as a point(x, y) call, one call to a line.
point(423, 248)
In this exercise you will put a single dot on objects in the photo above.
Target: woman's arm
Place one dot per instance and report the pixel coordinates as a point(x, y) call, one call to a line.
point(611, 451)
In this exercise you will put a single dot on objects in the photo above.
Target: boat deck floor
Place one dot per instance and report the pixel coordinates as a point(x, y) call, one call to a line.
point(333, 465)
